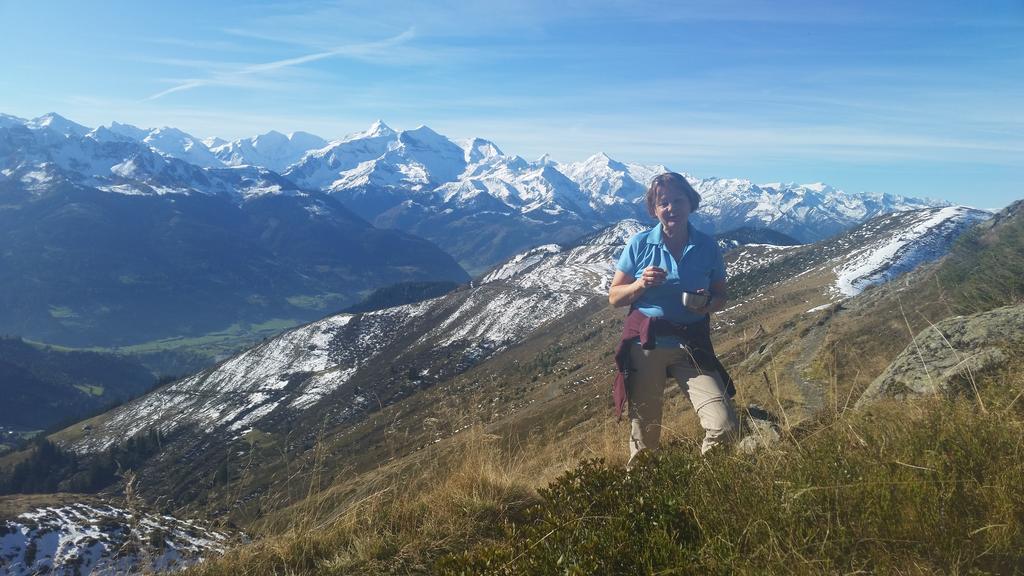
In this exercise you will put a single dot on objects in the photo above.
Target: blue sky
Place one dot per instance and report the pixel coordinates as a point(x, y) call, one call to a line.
point(919, 98)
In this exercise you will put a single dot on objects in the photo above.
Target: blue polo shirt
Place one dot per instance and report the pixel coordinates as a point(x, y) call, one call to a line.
point(699, 266)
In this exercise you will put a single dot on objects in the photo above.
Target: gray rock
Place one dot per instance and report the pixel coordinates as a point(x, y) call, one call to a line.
point(945, 358)
point(761, 431)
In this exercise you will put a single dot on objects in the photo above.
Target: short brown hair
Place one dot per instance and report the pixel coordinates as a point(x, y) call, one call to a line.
point(671, 180)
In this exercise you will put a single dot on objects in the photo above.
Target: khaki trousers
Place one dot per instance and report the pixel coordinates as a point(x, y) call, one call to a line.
point(646, 386)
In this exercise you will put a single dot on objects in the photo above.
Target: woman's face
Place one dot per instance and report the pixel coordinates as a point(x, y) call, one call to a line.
point(672, 210)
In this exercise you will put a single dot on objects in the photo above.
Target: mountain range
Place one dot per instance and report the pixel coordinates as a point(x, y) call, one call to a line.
point(478, 203)
point(448, 192)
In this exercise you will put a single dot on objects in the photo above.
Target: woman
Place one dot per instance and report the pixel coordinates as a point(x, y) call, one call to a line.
point(662, 337)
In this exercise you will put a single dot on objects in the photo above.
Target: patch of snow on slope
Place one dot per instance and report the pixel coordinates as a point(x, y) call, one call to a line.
point(292, 371)
point(500, 317)
point(126, 189)
point(321, 385)
point(540, 284)
point(254, 414)
point(925, 239)
point(522, 262)
point(36, 176)
point(586, 268)
point(83, 539)
point(237, 393)
point(751, 257)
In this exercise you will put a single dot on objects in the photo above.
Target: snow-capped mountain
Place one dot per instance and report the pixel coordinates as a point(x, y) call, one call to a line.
point(178, 144)
point(611, 184)
point(320, 168)
point(808, 212)
point(127, 131)
point(478, 150)
point(414, 164)
point(170, 142)
point(108, 240)
point(272, 150)
point(56, 123)
point(540, 191)
point(102, 539)
point(44, 153)
point(212, 142)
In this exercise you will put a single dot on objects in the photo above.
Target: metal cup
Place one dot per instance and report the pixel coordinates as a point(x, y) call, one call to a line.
point(695, 300)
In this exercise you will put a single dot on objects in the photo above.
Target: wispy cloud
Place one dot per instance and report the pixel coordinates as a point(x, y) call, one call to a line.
point(194, 43)
point(234, 77)
point(180, 88)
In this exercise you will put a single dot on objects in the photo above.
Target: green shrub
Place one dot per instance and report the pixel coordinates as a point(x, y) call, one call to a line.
point(572, 532)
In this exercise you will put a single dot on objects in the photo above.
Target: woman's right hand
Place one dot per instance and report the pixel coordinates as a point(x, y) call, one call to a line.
point(625, 289)
point(652, 276)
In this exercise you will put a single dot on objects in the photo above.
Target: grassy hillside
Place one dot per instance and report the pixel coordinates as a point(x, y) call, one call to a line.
point(984, 269)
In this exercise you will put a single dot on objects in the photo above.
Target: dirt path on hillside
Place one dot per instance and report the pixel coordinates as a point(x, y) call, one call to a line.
point(811, 391)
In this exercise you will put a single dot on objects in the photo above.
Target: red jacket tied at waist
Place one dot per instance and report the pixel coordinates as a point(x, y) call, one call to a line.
point(695, 336)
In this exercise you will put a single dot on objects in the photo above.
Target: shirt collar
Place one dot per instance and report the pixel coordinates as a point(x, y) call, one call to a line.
point(655, 236)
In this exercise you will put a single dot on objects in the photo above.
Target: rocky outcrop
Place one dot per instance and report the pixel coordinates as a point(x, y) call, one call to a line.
point(947, 357)
point(99, 540)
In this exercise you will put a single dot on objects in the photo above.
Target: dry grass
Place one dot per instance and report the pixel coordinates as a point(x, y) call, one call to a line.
point(402, 517)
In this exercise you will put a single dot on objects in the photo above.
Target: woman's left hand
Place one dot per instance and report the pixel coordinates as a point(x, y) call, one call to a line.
point(706, 308)
point(719, 296)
